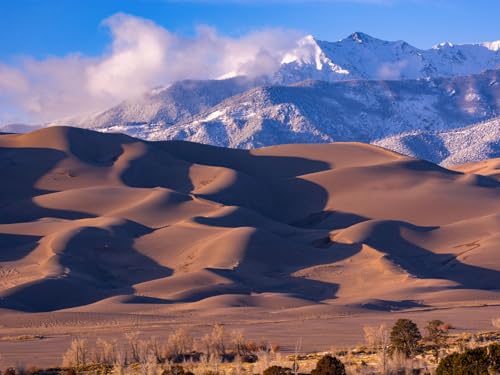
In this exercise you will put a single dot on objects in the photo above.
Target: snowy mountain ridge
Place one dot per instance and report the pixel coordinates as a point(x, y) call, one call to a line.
point(360, 56)
point(366, 111)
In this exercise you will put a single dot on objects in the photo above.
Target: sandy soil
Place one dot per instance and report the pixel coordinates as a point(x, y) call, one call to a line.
point(103, 233)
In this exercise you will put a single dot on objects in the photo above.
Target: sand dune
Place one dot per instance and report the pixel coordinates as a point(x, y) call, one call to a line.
point(489, 168)
point(104, 222)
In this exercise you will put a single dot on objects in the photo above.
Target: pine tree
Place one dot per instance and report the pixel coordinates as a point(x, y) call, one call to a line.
point(405, 337)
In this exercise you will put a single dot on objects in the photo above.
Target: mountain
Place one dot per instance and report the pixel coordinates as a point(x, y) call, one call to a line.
point(458, 146)
point(18, 128)
point(362, 111)
point(360, 56)
point(163, 106)
point(324, 92)
point(108, 224)
point(357, 57)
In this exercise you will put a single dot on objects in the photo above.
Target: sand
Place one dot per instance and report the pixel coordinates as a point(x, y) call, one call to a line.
point(101, 233)
point(489, 168)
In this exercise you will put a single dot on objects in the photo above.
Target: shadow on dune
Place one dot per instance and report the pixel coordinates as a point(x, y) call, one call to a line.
point(386, 237)
point(306, 289)
point(426, 166)
point(27, 210)
point(96, 263)
point(21, 169)
point(274, 251)
point(270, 185)
point(243, 160)
point(16, 246)
point(105, 148)
point(156, 168)
point(330, 219)
point(269, 258)
point(386, 305)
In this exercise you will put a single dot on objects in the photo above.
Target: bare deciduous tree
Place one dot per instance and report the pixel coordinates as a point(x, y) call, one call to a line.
point(213, 343)
point(179, 343)
point(377, 338)
point(105, 352)
point(134, 345)
point(77, 354)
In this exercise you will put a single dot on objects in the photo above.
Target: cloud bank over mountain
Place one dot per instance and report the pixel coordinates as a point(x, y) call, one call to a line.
point(141, 55)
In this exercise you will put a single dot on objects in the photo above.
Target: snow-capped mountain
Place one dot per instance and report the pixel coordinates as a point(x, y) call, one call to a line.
point(318, 111)
point(327, 91)
point(360, 56)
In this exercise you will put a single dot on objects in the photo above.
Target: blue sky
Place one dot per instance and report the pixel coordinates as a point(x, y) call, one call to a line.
point(61, 57)
point(54, 27)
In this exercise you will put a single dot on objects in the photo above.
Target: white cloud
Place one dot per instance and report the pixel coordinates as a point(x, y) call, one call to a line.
point(392, 70)
point(142, 55)
point(139, 56)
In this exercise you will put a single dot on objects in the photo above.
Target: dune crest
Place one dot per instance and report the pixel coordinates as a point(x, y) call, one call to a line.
point(106, 222)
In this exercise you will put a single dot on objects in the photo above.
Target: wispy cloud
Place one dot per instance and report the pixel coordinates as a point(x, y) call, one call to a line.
point(141, 55)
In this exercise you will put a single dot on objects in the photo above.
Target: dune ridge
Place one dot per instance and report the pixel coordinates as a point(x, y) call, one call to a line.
point(105, 222)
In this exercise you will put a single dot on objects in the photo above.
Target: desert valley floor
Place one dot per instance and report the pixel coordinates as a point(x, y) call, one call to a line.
point(104, 233)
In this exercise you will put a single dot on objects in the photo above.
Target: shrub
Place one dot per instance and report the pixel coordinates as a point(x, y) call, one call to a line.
point(405, 337)
point(105, 352)
point(477, 361)
point(277, 370)
point(377, 339)
point(437, 336)
point(213, 344)
point(494, 355)
point(179, 345)
point(134, 345)
point(448, 326)
point(77, 354)
point(32, 370)
point(329, 365)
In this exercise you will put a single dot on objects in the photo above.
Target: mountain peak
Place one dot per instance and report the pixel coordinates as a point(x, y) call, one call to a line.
point(443, 45)
point(307, 51)
point(359, 37)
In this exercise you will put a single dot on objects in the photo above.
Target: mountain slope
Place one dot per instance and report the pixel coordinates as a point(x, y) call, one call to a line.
point(163, 107)
point(477, 142)
point(365, 111)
